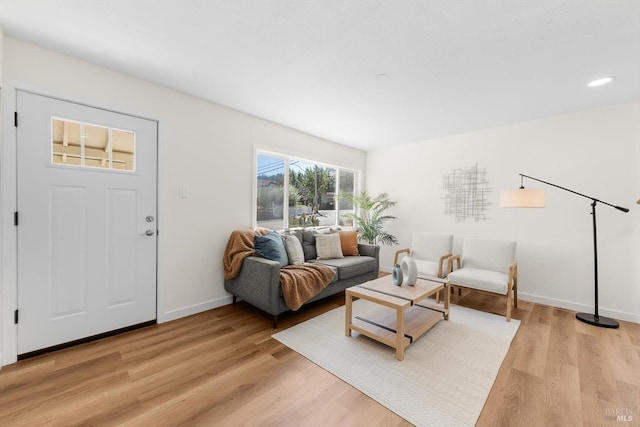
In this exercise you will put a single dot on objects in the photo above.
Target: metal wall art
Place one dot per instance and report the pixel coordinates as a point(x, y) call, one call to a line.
point(465, 193)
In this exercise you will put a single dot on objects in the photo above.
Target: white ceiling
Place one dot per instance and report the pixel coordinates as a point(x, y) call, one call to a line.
point(453, 66)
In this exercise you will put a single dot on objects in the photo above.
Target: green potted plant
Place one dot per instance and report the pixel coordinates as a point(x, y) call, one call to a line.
point(369, 217)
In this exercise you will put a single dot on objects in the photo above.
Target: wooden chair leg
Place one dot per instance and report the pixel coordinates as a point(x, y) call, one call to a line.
point(509, 301)
point(234, 299)
point(275, 321)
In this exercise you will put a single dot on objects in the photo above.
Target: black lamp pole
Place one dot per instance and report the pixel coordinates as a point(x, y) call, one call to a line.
point(592, 319)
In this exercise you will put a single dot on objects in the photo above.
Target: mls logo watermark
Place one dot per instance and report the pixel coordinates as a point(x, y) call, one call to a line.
point(619, 414)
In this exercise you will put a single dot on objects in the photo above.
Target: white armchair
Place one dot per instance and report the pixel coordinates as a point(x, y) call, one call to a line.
point(429, 251)
point(487, 265)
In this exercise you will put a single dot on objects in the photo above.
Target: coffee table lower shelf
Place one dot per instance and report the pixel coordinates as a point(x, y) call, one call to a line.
point(381, 324)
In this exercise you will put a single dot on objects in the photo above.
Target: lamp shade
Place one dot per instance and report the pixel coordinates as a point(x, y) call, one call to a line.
point(522, 198)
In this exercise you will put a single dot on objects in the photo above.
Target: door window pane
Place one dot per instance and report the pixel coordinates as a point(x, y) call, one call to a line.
point(96, 146)
point(123, 148)
point(66, 142)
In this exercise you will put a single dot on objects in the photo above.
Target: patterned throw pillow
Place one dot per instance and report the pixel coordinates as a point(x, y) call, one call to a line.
point(349, 243)
point(328, 246)
point(271, 247)
point(294, 249)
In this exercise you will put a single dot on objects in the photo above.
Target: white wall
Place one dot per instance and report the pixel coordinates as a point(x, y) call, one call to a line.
point(1, 104)
point(203, 145)
point(595, 152)
point(1, 52)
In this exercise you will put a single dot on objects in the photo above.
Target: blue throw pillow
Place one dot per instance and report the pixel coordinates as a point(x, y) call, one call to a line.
point(271, 247)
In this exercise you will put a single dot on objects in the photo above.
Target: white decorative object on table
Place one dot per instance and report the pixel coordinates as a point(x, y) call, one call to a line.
point(409, 271)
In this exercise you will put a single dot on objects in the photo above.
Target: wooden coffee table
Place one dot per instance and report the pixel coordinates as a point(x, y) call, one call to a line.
point(413, 315)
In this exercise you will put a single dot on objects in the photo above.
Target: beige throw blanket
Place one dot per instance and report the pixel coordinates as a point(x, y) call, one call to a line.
point(299, 283)
point(239, 246)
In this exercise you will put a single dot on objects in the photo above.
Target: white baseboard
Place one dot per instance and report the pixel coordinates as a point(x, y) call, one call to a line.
point(195, 309)
point(570, 305)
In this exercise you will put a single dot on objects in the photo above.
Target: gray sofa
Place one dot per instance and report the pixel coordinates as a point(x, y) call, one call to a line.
point(259, 280)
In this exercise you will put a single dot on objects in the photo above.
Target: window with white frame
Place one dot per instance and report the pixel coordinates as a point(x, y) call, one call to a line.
point(293, 193)
point(79, 144)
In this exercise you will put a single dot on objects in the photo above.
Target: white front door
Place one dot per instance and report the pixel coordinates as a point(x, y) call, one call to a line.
point(86, 221)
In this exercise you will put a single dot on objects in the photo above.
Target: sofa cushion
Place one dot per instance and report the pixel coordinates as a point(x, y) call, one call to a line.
point(271, 247)
point(328, 246)
point(349, 243)
point(351, 266)
point(294, 250)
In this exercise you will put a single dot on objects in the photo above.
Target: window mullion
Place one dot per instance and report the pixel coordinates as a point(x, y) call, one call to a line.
point(285, 208)
point(82, 141)
point(336, 198)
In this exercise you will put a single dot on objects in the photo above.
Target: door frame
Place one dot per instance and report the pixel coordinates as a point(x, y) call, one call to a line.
point(8, 205)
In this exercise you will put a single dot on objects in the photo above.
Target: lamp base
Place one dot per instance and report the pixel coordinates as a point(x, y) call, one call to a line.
point(601, 321)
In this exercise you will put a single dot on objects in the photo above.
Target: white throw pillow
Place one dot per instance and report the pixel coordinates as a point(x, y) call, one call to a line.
point(328, 246)
point(294, 249)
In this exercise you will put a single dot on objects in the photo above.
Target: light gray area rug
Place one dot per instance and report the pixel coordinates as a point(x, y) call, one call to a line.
point(444, 379)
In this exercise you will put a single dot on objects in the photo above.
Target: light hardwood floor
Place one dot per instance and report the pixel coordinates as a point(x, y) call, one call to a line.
point(222, 368)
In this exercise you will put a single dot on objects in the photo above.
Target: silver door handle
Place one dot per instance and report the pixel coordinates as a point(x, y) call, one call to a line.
point(148, 233)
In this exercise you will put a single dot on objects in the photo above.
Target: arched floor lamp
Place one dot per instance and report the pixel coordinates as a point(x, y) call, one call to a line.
point(534, 198)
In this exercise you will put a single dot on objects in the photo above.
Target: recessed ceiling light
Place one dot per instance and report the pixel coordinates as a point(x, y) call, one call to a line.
point(600, 81)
